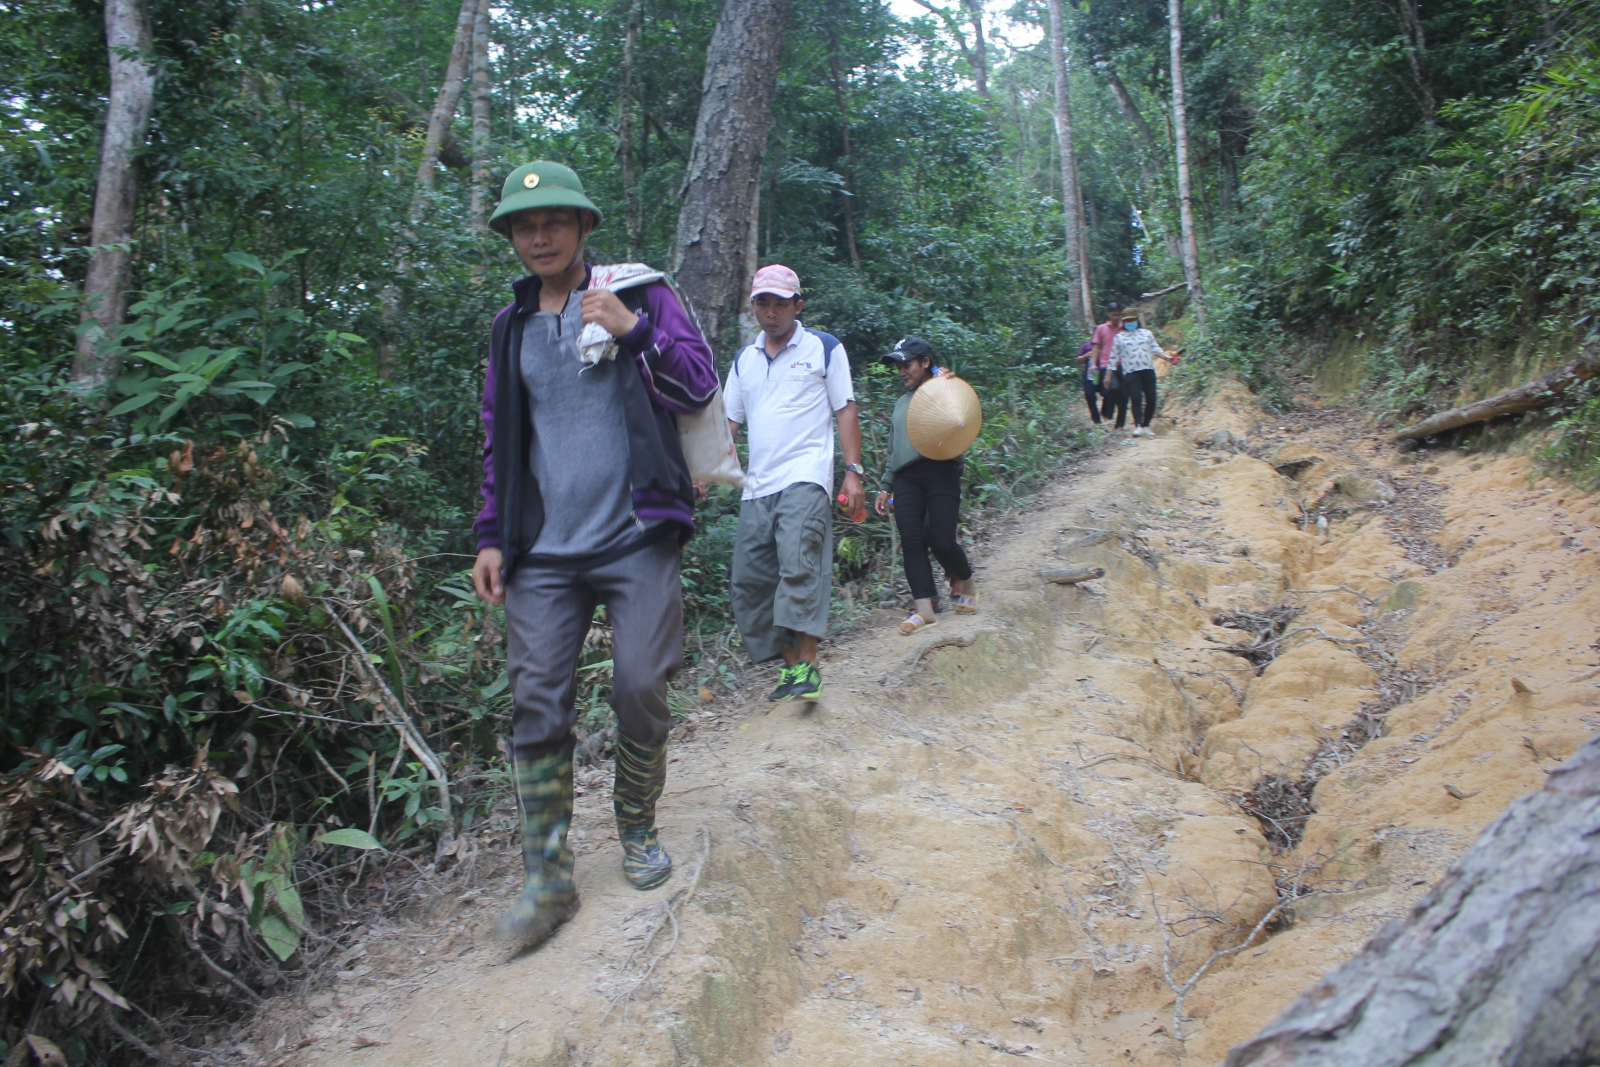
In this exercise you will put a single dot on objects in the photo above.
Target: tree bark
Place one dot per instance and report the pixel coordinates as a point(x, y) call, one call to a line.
point(1079, 299)
point(1417, 57)
point(980, 49)
point(1180, 128)
point(116, 194)
point(846, 192)
point(445, 104)
point(482, 92)
point(1499, 964)
point(976, 54)
point(730, 141)
point(630, 187)
point(1130, 111)
point(1541, 392)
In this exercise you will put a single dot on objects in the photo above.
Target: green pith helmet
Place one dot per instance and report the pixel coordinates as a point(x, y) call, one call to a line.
point(541, 184)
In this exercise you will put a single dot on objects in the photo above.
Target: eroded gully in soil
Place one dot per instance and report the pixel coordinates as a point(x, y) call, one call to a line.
point(1001, 837)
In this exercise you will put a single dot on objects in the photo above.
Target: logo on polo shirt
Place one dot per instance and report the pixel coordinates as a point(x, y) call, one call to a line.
point(800, 364)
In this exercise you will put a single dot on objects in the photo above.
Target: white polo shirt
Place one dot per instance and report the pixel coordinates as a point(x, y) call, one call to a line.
point(786, 404)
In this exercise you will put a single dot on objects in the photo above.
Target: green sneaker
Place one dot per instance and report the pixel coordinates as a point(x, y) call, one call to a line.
point(787, 676)
point(807, 682)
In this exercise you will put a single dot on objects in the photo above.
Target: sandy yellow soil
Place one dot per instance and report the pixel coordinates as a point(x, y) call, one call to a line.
point(1020, 834)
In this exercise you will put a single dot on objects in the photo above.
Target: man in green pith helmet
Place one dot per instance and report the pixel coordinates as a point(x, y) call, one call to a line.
point(587, 500)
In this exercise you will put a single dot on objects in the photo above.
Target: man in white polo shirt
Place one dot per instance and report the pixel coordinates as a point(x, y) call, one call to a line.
point(788, 386)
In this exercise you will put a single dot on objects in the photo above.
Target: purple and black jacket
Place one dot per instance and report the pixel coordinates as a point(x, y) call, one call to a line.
point(677, 376)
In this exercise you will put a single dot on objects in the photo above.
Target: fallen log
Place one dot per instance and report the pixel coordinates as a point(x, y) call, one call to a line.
point(1499, 964)
point(1540, 392)
point(1071, 575)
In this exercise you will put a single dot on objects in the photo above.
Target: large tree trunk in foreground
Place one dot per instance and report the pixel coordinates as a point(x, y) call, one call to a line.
point(1079, 301)
point(1538, 393)
point(1180, 131)
point(116, 194)
point(730, 140)
point(445, 104)
point(1500, 964)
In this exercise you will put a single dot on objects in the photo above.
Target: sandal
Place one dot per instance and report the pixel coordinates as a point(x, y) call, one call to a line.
point(966, 605)
point(915, 622)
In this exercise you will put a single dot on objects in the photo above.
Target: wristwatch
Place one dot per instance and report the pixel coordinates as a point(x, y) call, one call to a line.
point(856, 469)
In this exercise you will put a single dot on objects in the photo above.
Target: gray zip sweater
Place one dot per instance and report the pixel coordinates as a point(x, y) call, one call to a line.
point(901, 454)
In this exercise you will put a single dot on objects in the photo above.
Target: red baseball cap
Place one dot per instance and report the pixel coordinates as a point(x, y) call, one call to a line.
point(776, 279)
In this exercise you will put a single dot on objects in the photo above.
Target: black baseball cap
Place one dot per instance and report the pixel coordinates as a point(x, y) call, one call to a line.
point(908, 348)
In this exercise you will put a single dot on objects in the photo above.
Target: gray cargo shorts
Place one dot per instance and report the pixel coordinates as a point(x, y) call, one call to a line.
point(783, 568)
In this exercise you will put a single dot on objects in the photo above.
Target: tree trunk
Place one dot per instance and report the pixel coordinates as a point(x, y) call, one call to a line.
point(482, 92)
point(1130, 111)
point(1541, 392)
point(1180, 129)
point(1498, 964)
point(730, 141)
point(976, 55)
point(1417, 57)
point(1078, 296)
point(980, 49)
point(630, 185)
point(116, 194)
point(749, 326)
point(847, 193)
point(445, 104)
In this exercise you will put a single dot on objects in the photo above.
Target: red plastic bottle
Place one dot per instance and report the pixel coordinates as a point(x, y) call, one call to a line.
point(844, 506)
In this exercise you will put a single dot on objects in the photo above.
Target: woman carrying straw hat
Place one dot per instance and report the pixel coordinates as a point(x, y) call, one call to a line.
point(926, 498)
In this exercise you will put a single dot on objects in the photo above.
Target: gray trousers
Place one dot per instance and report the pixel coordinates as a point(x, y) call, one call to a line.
point(548, 612)
point(783, 569)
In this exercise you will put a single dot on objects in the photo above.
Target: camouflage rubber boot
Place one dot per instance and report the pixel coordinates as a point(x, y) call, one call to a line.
point(544, 796)
point(641, 775)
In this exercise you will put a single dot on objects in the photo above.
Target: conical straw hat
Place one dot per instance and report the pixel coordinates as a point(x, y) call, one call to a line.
point(944, 418)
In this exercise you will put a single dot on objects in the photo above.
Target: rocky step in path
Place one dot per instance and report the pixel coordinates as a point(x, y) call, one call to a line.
point(1122, 820)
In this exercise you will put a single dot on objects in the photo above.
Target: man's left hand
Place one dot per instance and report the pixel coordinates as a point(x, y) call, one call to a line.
point(606, 308)
point(855, 495)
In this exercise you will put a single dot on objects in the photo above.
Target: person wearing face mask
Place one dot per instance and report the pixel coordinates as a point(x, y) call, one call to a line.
point(1133, 357)
point(926, 499)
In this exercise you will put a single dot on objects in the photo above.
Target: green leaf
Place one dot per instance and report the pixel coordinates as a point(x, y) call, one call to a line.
point(280, 937)
point(289, 904)
point(158, 360)
point(303, 422)
point(350, 837)
point(245, 260)
point(134, 404)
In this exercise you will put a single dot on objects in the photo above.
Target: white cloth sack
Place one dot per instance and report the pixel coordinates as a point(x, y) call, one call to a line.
point(707, 445)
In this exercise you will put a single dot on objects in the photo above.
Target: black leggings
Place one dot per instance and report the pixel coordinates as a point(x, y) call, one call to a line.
point(927, 506)
point(1091, 395)
point(1116, 400)
point(1141, 387)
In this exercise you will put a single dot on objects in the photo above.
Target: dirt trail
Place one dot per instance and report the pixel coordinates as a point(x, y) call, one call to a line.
point(993, 838)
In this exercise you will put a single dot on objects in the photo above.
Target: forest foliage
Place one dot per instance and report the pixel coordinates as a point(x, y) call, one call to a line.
point(239, 652)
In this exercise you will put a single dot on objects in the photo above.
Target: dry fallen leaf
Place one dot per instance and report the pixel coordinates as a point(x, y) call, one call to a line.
point(48, 1051)
point(363, 1041)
